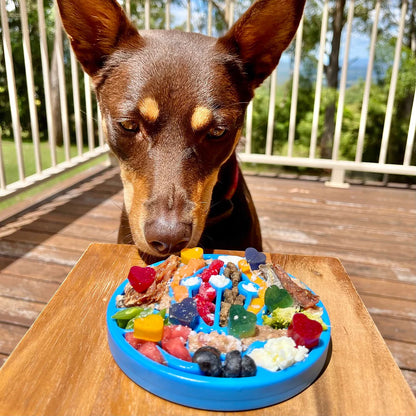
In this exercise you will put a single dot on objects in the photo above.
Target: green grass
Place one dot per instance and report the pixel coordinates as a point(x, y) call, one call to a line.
point(12, 173)
point(10, 158)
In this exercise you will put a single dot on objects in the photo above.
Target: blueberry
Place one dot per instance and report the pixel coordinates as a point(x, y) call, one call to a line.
point(232, 364)
point(248, 367)
point(209, 361)
point(204, 349)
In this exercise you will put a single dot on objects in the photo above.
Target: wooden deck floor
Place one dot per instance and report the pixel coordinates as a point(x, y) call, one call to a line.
point(371, 229)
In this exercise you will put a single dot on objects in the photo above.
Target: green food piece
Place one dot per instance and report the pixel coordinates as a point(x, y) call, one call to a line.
point(315, 314)
point(277, 298)
point(144, 312)
point(241, 323)
point(127, 314)
point(281, 318)
point(126, 317)
point(122, 323)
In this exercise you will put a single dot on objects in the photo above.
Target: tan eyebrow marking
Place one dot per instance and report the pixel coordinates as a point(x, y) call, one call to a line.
point(201, 117)
point(149, 109)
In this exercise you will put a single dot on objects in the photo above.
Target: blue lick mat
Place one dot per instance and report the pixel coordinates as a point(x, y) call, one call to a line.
point(181, 382)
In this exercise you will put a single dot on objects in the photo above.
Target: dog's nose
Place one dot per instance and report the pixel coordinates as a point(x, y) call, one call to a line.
point(166, 236)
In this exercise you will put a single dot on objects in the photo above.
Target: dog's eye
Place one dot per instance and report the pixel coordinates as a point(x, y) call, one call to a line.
point(129, 125)
point(216, 132)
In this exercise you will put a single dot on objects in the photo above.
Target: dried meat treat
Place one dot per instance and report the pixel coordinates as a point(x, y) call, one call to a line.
point(235, 278)
point(301, 295)
point(231, 271)
point(229, 268)
point(229, 296)
point(224, 312)
point(239, 300)
point(157, 289)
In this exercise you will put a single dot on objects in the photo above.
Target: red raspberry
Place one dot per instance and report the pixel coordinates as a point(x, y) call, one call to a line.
point(206, 309)
point(206, 274)
point(216, 265)
point(213, 269)
point(207, 291)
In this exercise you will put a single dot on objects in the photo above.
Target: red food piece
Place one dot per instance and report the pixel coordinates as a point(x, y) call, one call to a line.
point(141, 278)
point(213, 269)
point(176, 331)
point(147, 348)
point(304, 331)
point(176, 347)
point(206, 309)
point(207, 291)
point(150, 350)
point(206, 274)
point(216, 265)
point(132, 340)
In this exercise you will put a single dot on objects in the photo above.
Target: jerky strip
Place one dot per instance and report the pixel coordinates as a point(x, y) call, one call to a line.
point(303, 296)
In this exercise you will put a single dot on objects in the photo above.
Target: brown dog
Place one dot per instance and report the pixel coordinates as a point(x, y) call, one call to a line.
point(173, 106)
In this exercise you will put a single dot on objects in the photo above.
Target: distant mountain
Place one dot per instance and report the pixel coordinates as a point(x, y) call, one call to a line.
point(357, 69)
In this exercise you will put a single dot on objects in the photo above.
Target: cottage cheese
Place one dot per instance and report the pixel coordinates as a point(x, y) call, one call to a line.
point(278, 353)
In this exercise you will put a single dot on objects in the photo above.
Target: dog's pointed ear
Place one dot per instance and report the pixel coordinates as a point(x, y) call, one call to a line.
point(96, 28)
point(261, 35)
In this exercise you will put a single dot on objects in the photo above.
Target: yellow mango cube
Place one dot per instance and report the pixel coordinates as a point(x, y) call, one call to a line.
point(191, 253)
point(149, 328)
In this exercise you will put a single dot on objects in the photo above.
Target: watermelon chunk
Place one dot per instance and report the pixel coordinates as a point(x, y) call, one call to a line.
point(176, 347)
point(132, 340)
point(147, 348)
point(176, 331)
point(150, 350)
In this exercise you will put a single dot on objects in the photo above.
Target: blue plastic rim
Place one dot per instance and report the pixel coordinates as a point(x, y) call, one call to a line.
point(189, 388)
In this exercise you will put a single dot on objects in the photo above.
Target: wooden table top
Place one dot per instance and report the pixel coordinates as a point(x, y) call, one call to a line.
point(63, 366)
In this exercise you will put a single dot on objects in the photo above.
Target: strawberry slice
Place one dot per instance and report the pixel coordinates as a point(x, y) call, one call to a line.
point(141, 278)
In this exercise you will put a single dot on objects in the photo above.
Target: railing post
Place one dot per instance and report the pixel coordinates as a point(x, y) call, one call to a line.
point(2, 172)
point(337, 179)
point(11, 85)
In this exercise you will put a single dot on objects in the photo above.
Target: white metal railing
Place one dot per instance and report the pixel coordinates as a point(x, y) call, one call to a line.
point(337, 166)
point(83, 138)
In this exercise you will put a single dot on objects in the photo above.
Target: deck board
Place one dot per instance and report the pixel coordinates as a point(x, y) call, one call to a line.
point(372, 230)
